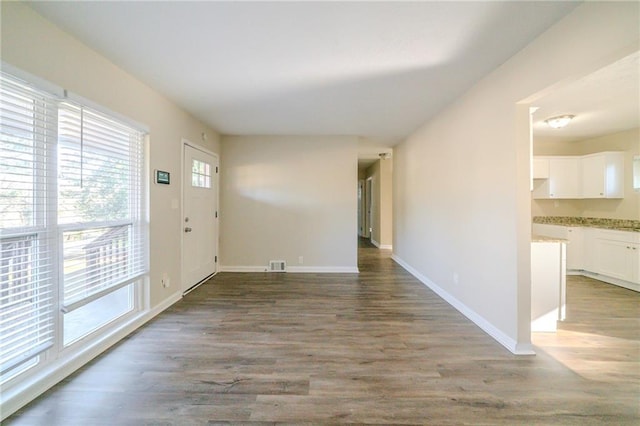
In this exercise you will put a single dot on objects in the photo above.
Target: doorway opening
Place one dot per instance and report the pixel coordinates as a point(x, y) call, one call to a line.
point(603, 133)
point(375, 207)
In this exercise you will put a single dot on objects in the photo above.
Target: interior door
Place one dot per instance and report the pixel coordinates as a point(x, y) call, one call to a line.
point(200, 220)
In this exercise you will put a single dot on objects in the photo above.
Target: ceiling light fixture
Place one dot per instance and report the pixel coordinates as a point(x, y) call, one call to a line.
point(559, 121)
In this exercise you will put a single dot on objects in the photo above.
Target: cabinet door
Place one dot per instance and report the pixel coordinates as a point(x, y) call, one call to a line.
point(589, 255)
point(540, 168)
point(615, 259)
point(593, 176)
point(575, 249)
point(634, 262)
point(564, 178)
point(552, 231)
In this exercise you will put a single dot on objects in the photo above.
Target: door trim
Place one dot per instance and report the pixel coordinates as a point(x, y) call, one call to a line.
point(216, 181)
point(368, 214)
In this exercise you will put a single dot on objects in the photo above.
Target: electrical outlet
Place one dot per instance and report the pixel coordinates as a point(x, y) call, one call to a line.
point(455, 278)
point(166, 282)
point(300, 260)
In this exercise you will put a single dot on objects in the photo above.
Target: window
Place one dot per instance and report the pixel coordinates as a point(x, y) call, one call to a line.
point(27, 290)
point(200, 174)
point(99, 204)
point(73, 240)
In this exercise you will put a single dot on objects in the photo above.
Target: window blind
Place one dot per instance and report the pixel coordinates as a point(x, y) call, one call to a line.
point(27, 291)
point(100, 204)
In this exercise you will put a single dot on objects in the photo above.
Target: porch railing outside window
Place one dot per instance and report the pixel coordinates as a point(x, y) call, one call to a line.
point(72, 231)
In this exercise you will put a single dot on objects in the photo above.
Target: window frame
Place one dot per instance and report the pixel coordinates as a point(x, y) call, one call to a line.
point(46, 226)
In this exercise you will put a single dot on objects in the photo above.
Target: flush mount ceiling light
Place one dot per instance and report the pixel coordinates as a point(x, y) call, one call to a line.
point(559, 121)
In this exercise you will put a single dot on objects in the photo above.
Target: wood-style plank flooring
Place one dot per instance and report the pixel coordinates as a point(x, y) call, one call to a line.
point(377, 348)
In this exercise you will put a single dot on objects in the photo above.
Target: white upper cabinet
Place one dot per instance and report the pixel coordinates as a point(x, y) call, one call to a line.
point(563, 181)
point(540, 168)
point(598, 175)
point(603, 175)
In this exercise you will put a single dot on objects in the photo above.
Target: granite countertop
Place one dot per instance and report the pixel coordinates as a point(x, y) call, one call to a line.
point(542, 239)
point(590, 222)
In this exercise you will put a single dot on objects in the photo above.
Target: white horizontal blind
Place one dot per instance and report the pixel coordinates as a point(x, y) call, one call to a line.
point(27, 293)
point(100, 204)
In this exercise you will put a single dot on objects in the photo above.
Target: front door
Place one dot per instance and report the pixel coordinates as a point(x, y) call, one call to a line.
point(200, 220)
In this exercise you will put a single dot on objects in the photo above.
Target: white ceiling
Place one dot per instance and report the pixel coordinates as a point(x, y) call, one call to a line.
point(372, 69)
point(604, 102)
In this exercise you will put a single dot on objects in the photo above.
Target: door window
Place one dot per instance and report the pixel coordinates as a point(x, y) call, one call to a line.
point(200, 174)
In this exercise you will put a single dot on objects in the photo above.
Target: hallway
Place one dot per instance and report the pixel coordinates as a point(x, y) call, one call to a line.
point(375, 347)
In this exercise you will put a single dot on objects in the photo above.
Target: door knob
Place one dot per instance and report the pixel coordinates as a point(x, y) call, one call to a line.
point(187, 229)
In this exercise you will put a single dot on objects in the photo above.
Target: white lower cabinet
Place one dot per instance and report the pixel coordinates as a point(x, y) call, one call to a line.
point(608, 255)
point(575, 248)
point(616, 256)
point(548, 285)
point(575, 241)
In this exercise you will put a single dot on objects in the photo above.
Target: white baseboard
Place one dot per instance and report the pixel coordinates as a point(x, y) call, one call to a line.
point(296, 269)
point(381, 246)
point(30, 389)
point(244, 268)
point(611, 280)
point(323, 269)
point(506, 341)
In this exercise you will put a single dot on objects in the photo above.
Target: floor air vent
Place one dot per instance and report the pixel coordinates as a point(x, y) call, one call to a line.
point(277, 266)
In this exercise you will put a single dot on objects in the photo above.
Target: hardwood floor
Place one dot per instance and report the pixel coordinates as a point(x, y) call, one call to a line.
point(378, 347)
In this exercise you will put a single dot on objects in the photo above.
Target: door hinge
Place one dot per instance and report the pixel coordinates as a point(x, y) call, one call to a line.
point(216, 214)
point(215, 259)
point(216, 169)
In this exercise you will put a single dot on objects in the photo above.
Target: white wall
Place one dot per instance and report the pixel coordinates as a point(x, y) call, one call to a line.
point(461, 186)
point(38, 47)
point(285, 197)
point(627, 141)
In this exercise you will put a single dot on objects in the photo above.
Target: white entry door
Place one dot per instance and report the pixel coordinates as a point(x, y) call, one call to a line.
point(200, 216)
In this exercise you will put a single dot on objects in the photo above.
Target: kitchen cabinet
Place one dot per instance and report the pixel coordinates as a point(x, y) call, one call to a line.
point(603, 175)
point(575, 243)
point(548, 285)
point(575, 248)
point(599, 175)
point(563, 181)
point(540, 168)
point(617, 255)
point(607, 255)
point(589, 257)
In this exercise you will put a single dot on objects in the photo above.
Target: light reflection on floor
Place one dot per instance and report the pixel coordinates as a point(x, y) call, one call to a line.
point(600, 339)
